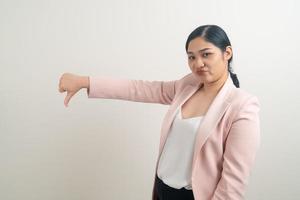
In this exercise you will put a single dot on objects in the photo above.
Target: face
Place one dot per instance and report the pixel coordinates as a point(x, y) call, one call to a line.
point(207, 62)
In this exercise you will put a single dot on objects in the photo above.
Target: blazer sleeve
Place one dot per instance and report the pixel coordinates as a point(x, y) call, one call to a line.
point(241, 146)
point(146, 91)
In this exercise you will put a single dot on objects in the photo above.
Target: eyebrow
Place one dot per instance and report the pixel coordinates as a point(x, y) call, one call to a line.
point(189, 52)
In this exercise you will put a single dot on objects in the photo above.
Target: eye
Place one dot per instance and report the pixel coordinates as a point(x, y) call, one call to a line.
point(191, 57)
point(206, 54)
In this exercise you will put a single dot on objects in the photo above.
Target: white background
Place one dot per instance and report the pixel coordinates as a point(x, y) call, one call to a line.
point(106, 149)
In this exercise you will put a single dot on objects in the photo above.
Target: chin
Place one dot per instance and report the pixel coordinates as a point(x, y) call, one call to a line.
point(205, 77)
point(201, 78)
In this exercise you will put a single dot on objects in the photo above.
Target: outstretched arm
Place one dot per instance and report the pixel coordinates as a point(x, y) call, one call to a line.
point(146, 91)
point(162, 92)
point(241, 147)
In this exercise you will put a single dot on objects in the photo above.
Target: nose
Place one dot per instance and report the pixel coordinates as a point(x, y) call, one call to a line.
point(199, 63)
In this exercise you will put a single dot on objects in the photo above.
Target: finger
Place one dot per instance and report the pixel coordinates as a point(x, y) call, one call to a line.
point(59, 82)
point(68, 97)
point(61, 89)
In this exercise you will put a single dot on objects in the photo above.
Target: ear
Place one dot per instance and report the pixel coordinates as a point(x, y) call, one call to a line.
point(228, 53)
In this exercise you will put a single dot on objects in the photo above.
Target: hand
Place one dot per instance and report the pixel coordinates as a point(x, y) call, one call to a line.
point(71, 84)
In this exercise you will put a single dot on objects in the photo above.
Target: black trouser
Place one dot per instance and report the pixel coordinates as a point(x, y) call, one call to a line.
point(166, 192)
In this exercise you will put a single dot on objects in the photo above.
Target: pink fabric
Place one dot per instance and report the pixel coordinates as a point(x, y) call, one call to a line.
point(228, 138)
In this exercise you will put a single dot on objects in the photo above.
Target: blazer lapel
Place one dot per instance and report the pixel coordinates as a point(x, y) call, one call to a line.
point(213, 115)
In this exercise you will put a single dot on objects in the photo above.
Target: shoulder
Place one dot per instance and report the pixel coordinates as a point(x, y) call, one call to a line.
point(186, 80)
point(241, 96)
point(244, 102)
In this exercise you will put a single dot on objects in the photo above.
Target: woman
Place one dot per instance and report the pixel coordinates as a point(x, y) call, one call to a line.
point(210, 134)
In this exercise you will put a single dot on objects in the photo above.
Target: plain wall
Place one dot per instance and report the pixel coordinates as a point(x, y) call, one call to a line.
point(106, 149)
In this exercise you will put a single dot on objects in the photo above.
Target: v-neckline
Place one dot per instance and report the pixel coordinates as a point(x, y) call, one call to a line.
point(181, 116)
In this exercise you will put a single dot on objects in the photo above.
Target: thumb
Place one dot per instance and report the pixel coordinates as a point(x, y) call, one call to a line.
point(68, 97)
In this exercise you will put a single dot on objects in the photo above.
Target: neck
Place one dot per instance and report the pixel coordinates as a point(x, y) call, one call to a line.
point(214, 87)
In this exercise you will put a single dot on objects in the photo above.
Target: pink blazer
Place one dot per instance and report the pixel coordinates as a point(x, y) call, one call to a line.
point(227, 140)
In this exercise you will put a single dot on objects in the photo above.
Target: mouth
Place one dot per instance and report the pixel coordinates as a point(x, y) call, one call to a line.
point(201, 72)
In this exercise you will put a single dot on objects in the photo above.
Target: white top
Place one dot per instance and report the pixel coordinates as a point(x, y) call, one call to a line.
point(175, 163)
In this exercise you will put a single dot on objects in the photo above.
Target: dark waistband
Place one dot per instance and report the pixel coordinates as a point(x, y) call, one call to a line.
point(169, 187)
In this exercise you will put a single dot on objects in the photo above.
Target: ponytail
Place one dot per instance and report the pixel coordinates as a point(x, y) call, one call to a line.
point(234, 78)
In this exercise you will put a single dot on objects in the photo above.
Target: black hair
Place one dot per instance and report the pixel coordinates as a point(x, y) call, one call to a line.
point(217, 36)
